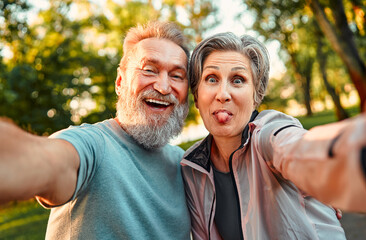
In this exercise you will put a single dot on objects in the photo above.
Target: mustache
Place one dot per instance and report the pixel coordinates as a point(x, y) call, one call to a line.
point(150, 93)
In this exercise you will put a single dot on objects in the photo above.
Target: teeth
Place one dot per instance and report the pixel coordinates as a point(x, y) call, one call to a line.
point(157, 102)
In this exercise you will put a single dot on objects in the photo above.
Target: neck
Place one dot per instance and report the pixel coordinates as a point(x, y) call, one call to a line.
point(221, 149)
point(119, 123)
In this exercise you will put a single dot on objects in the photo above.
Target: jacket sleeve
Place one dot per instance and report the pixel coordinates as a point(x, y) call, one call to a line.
point(325, 162)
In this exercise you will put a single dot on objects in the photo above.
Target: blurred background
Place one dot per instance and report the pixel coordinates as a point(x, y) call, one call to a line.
point(58, 62)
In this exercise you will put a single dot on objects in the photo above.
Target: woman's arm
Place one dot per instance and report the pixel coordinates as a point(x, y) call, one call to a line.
point(35, 166)
point(326, 162)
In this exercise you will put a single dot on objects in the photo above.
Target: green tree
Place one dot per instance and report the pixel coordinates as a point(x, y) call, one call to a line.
point(280, 20)
point(321, 53)
point(291, 23)
point(336, 29)
point(63, 66)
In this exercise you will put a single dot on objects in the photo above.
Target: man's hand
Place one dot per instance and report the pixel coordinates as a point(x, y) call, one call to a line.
point(326, 163)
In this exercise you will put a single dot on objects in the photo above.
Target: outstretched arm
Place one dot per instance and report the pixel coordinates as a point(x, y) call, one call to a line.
point(34, 166)
point(326, 162)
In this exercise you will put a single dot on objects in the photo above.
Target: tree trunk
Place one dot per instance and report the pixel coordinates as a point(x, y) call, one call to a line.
point(341, 39)
point(307, 81)
point(304, 81)
point(322, 59)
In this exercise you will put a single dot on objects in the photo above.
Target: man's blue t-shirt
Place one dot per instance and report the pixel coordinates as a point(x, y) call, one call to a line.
point(123, 191)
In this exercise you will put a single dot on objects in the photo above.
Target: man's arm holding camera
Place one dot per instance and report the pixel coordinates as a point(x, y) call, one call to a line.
point(34, 166)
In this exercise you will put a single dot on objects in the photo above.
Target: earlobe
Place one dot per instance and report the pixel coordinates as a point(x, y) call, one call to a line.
point(118, 83)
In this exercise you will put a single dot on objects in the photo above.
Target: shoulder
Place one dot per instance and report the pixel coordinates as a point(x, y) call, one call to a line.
point(85, 130)
point(272, 116)
point(173, 151)
point(194, 146)
point(87, 139)
point(269, 123)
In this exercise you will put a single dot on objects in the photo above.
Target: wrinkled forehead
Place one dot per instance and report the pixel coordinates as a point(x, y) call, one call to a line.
point(161, 51)
point(226, 57)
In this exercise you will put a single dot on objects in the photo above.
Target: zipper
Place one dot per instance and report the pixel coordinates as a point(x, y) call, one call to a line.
point(209, 221)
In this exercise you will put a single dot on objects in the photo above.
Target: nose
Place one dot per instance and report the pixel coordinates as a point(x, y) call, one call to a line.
point(162, 84)
point(223, 95)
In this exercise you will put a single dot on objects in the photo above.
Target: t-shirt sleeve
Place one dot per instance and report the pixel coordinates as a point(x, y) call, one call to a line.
point(89, 143)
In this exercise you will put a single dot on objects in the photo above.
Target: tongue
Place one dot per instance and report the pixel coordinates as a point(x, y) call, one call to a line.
point(222, 117)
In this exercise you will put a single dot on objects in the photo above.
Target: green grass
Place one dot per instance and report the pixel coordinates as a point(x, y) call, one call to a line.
point(23, 220)
point(28, 220)
point(324, 117)
point(186, 145)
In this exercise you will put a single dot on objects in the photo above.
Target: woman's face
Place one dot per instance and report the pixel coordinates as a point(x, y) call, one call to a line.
point(225, 95)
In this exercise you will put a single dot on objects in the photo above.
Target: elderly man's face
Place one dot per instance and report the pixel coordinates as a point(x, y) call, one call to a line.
point(153, 92)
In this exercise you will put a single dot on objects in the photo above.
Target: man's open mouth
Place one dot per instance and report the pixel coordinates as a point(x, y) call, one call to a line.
point(157, 103)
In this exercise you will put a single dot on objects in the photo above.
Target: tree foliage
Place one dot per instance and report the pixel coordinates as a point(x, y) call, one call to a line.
point(337, 30)
point(294, 25)
point(60, 68)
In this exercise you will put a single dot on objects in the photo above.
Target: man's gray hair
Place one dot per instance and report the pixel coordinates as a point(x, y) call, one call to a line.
point(154, 29)
point(246, 45)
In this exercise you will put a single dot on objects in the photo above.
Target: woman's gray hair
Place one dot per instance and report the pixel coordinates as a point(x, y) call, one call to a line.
point(246, 45)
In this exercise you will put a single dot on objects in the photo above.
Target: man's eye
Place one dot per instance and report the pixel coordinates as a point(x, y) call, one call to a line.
point(177, 77)
point(149, 69)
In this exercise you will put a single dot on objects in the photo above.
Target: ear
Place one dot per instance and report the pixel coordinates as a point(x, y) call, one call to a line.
point(118, 82)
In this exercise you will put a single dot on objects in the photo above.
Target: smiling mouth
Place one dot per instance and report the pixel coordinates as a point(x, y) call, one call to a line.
point(155, 103)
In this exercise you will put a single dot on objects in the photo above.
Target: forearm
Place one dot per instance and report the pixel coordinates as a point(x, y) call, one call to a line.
point(35, 166)
point(20, 170)
point(326, 163)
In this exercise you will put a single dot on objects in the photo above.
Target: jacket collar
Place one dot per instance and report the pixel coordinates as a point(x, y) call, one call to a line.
point(201, 155)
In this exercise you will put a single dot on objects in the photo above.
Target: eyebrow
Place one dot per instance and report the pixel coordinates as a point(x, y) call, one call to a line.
point(233, 69)
point(239, 68)
point(209, 66)
point(158, 62)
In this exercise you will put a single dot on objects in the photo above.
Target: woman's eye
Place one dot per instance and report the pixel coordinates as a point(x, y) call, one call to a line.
point(238, 80)
point(211, 79)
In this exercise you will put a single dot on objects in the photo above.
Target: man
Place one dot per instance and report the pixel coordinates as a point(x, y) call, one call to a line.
point(117, 179)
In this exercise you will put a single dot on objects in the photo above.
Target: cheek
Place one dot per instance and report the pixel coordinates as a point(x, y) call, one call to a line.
point(203, 105)
point(204, 95)
point(183, 92)
point(137, 83)
point(205, 116)
point(246, 105)
point(201, 102)
point(248, 97)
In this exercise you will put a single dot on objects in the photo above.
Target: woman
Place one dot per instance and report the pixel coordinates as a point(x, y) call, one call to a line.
point(240, 179)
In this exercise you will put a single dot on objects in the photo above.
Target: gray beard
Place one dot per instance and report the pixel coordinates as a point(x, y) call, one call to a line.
point(154, 130)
